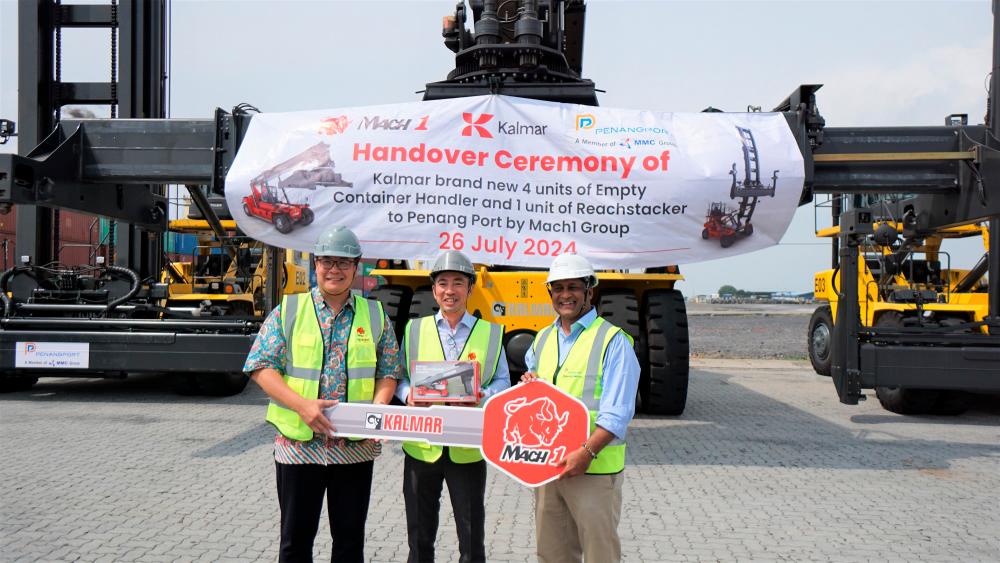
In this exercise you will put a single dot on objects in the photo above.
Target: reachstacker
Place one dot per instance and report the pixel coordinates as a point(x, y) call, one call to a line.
point(527, 48)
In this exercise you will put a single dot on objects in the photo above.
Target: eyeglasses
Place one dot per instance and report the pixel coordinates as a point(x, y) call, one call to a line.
point(342, 265)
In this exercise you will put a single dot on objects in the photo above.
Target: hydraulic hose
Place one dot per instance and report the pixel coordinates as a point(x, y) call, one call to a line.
point(132, 291)
point(8, 303)
point(974, 275)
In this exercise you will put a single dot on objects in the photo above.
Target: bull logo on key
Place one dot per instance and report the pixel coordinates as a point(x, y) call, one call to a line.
point(528, 429)
point(534, 423)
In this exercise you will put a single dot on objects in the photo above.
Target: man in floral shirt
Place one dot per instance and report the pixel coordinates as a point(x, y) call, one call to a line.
point(314, 350)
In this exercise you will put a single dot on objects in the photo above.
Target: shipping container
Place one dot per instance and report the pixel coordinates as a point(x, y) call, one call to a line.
point(78, 238)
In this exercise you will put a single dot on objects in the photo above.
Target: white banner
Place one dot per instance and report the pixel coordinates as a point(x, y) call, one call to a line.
point(517, 182)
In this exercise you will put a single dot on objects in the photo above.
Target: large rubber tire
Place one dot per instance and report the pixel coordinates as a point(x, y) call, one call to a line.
point(422, 304)
point(223, 384)
point(901, 400)
point(704, 233)
point(282, 223)
point(667, 340)
point(727, 240)
point(819, 339)
point(187, 384)
point(952, 403)
point(395, 301)
point(210, 384)
point(621, 308)
point(516, 345)
point(748, 230)
point(307, 217)
point(12, 384)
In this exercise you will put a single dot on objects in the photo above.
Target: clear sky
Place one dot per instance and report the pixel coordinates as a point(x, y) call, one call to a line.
point(882, 63)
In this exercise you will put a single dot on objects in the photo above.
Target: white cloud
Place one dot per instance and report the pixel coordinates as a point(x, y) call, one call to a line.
point(918, 91)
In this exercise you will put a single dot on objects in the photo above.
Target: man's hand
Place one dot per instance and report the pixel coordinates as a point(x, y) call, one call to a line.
point(311, 412)
point(528, 377)
point(576, 463)
point(409, 400)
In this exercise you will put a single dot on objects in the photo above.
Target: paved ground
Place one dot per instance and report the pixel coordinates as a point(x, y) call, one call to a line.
point(764, 465)
point(749, 331)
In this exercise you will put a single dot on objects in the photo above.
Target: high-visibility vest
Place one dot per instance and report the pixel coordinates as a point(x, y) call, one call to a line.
point(581, 376)
point(304, 357)
point(423, 343)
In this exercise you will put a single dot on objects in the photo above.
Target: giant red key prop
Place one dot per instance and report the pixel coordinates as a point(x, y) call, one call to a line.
point(524, 431)
point(528, 429)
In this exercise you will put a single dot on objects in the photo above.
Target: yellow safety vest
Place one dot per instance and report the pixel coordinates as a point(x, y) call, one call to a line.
point(483, 346)
point(304, 357)
point(581, 376)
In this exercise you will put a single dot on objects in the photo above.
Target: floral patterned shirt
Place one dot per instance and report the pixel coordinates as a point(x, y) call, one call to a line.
point(269, 352)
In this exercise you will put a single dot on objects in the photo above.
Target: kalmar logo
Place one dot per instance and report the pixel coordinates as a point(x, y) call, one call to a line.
point(476, 124)
point(373, 421)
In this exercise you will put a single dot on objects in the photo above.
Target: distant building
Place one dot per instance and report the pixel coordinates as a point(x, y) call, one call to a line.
point(755, 297)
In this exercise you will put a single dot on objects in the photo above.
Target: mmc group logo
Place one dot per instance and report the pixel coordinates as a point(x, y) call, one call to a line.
point(529, 429)
point(585, 121)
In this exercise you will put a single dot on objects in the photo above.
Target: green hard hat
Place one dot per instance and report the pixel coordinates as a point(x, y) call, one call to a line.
point(453, 261)
point(338, 241)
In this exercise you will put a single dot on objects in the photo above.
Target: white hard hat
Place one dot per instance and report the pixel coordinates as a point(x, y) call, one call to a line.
point(571, 267)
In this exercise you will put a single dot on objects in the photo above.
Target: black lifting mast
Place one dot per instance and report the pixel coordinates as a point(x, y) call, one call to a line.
point(136, 89)
point(116, 168)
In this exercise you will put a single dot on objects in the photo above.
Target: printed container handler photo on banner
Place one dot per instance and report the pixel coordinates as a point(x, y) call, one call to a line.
point(518, 182)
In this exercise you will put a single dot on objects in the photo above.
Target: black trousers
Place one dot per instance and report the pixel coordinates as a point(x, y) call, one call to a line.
point(422, 484)
point(301, 488)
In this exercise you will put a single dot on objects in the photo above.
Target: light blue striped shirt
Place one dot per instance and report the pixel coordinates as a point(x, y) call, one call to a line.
point(620, 374)
point(452, 342)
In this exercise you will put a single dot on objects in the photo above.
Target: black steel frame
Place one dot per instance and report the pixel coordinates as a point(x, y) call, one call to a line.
point(116, 168)
point(953, 170)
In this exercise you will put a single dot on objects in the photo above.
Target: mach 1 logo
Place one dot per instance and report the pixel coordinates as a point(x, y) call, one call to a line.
point(475, 123)
point(534, 423)
point(377, 122)
point(531, 427)
point(528, 430)
point(333, 125)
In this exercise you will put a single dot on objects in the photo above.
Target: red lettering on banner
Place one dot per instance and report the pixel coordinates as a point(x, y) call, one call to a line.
point(504, 159)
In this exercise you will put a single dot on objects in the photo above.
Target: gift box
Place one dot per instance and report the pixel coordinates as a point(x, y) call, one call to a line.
point(445, 382)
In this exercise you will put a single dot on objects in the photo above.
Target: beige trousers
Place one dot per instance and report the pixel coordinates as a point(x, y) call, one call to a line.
point(577, 518)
